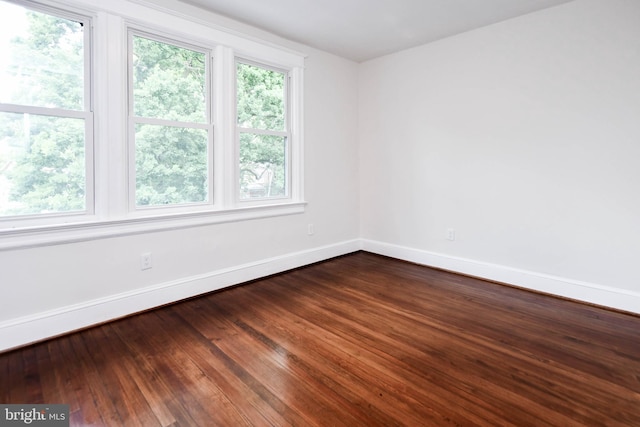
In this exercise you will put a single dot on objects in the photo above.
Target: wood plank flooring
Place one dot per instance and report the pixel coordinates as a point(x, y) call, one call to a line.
point(359, 340)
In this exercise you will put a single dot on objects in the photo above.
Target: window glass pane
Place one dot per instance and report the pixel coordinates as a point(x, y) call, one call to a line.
point(262, 166)
point(168, 81)
point(171, 165)
point(42, 60)
point(261, 98)
point(42, 164)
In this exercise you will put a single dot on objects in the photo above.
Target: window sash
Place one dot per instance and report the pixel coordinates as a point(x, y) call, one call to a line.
point(286, 165)
point(86, 114)
point(108, 132)
point(284, 133)
point(135, 120)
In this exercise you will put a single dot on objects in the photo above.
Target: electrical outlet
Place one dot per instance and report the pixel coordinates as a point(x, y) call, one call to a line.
point(145, 261)
point(451, 234)
point(310, 229)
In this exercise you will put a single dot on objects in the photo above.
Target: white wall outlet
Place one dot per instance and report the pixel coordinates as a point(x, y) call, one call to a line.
point(451, 234)
point(145, 261)
point(311, 230)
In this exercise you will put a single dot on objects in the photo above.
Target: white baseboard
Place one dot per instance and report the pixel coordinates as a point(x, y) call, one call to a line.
point(40, 326)
point(29, 329)
point(619, 299)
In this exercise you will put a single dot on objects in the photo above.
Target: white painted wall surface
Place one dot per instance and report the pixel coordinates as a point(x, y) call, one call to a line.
point(49, 290)
point(525, 138)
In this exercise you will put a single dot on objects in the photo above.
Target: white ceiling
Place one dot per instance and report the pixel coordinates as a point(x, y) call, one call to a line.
point(365, 29)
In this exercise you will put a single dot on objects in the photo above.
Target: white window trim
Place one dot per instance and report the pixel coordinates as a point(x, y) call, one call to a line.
point(112, 216)
point(286, 133)
point(84, 231)
point(85, 114)
point(207, 124)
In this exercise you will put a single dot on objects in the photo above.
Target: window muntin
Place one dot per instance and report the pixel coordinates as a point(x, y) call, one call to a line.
point(45, 63)
point(44, 164)
point(263, 136)
point(171, 129)
point(45, 119)
point(108, 168)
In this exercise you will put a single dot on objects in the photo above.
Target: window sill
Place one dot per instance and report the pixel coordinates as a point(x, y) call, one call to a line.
point(21, 238)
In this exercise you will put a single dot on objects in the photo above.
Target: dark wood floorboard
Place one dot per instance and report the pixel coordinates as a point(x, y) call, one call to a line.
point(360, 340)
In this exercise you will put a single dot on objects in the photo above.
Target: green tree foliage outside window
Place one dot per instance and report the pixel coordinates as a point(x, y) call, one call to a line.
point(263, 141)
point(171, 160)
point(45, 170)
point(42, 157)
point(43, 162)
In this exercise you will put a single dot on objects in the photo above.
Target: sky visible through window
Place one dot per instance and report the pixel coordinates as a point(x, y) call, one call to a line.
point(13, 23)
point(42, 143)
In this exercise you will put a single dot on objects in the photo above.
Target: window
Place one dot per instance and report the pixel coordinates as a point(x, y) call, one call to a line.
point(170, 123)
point(262, 129)
point(125, 118)
point(45, 118)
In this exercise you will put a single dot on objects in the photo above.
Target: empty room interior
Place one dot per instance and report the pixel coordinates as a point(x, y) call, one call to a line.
point(286, 212)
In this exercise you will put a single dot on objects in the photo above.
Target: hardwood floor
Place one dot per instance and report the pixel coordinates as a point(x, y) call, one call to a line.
point(360, 340)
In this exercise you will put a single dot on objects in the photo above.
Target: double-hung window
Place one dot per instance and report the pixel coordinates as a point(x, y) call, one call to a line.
point(170, 130)
point(46, 122)
point(263, 134)
point(148, 156)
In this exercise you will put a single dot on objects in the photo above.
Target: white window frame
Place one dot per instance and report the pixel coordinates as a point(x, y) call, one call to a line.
point(286, 133)
point(110, 152)
point(86, 114)
point(133, 120)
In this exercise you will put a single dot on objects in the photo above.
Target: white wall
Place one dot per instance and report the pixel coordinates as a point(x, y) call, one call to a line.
point(525, 138)
point(50, 290)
